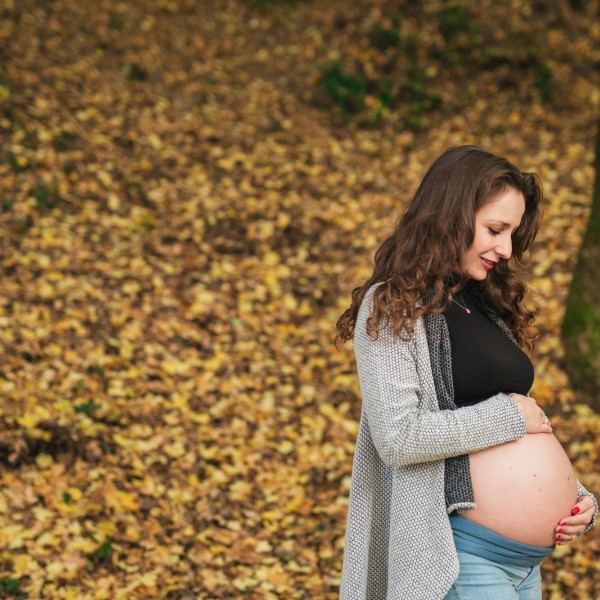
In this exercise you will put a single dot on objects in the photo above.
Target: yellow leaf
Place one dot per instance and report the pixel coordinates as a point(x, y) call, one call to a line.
point(263, 546)
point(286, 447)
point(127, 501)
point(175, 450)
point(23, 564)
point(44, 461)
point(107, 527)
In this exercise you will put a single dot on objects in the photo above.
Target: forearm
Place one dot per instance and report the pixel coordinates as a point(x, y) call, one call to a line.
point(413, 436)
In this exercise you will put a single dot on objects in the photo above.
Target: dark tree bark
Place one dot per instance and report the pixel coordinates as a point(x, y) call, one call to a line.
point(581, 327)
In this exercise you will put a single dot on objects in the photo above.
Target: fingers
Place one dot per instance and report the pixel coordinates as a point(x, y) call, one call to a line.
point(572, 527)
point(583, 504)
point(565, 537)
point(563, 534)
point(535, 418)
point(546, 425)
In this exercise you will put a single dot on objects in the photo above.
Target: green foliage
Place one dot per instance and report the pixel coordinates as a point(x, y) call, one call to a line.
point(455, 21)
point(543, 82)
point(10, 586)
point(410, 46)
point(383, 38)
point(100, 556)
point(69, 168)
point(43, 194)
point(23, 224)
point(117, 21)
point(16, 165)
point(148, 222)
point(99, 368)
point(104, 551)
point(265, 5)
point(135, 72)
point(366, 99)
point(89, 408)
point(581, 332)
point(346, 89)
point(418, 98)
point(64, 141)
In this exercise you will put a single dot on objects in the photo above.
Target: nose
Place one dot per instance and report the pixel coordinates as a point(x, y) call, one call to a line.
point(504, 247)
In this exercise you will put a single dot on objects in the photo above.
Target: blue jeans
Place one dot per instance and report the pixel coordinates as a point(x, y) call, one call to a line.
point(483, 579)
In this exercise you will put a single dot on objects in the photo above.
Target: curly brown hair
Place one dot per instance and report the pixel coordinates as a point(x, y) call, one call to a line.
point(420, 263)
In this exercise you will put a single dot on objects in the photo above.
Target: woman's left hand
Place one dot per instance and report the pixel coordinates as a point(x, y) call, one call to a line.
point(572, 527)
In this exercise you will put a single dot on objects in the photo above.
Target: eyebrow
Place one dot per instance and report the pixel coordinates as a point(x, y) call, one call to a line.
point(502, 223)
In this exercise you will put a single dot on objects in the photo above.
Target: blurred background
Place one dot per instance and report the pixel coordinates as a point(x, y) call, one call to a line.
point(189, 191)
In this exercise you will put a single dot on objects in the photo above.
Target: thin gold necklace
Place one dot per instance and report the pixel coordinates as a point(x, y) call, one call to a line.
point(467, 310)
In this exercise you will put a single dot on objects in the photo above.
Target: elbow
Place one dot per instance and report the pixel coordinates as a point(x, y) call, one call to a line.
point(393, 453)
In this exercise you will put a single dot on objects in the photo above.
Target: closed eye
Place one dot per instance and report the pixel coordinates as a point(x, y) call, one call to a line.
point(493, 231)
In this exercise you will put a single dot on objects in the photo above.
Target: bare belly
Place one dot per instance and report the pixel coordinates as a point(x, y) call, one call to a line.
point(523, 488)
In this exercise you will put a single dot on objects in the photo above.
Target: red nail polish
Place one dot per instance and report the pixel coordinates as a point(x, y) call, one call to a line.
point(575, 510)
point(558, 536)
point(559, 530)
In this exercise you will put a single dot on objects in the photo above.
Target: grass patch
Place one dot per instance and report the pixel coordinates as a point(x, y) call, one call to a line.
point(347, 90)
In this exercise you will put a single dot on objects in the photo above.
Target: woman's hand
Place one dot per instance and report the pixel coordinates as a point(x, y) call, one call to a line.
point(535, 419)
point(572, 527)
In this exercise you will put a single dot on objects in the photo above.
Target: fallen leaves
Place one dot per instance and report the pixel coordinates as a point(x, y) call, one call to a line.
point(182, 224)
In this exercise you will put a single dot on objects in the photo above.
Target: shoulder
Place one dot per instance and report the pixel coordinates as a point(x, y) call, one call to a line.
point(367, 301)
point(385, 335)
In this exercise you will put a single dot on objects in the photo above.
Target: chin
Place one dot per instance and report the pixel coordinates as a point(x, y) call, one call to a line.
point(478, 276)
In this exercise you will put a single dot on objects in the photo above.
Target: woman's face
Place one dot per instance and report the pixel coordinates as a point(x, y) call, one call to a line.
point(495, 222)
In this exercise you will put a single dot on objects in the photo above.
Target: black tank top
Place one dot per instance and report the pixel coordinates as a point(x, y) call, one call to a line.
point(485, 360)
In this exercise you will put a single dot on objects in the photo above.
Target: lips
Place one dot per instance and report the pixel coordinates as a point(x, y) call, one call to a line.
point(488, 264)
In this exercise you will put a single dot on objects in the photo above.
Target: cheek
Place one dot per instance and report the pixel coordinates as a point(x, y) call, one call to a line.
point(481, 243)
point(468, 257)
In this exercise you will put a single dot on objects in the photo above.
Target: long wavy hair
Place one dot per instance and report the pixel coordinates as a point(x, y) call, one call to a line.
point(419, 264)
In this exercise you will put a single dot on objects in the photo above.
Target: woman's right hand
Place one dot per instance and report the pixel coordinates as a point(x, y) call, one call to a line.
point(535, 419)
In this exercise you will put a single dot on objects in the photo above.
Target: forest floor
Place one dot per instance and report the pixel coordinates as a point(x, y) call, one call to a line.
point(189, 191)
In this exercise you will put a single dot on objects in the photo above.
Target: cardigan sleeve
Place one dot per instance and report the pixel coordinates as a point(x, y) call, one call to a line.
point(581, 491)
point(395, 380)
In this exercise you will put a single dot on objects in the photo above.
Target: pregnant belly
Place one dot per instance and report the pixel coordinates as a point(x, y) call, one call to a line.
point(523, 488)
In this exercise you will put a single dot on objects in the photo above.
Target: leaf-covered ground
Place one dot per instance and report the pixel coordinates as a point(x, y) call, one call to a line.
point(188, 192)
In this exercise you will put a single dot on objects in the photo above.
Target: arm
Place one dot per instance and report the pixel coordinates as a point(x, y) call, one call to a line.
point(396, 382)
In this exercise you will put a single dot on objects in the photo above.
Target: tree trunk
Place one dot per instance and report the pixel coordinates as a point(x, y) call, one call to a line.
point(581, 327)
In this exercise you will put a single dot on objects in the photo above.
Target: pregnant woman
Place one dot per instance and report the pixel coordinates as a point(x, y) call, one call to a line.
point(459, 487)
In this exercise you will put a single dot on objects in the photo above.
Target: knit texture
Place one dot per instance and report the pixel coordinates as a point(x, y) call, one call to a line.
point(457, 483)
point(399, 543)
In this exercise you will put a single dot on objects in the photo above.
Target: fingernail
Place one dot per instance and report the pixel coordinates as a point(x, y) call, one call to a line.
point(562, 523)
point(559, 530)
point(558, 536)
point(575, 510)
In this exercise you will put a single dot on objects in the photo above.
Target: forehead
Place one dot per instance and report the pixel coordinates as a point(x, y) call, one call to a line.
point(507, 208)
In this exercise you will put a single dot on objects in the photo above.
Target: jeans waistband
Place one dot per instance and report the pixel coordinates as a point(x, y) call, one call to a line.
point(485, 543)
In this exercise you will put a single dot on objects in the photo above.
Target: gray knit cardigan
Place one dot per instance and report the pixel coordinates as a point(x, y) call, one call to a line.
point(398, 543)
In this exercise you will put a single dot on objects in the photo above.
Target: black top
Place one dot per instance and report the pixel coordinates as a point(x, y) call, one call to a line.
point(485, 360)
